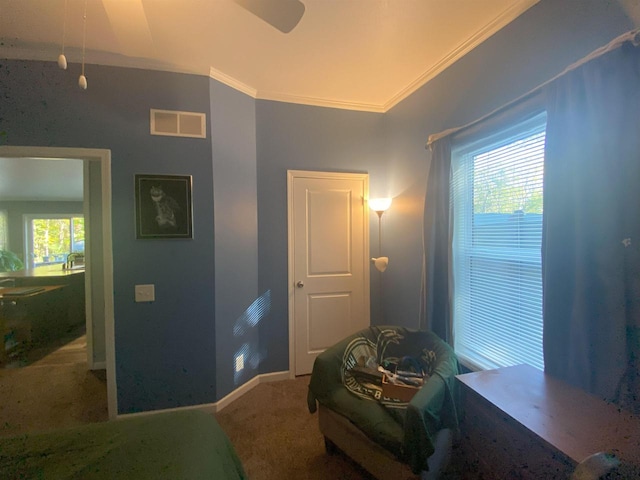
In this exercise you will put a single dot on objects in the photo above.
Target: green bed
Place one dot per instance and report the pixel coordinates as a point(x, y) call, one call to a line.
point(175, 445)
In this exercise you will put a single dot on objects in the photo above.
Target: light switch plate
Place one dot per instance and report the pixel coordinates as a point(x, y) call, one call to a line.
point(145, 293)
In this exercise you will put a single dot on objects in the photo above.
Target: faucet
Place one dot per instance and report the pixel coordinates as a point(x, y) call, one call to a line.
point(70, 259)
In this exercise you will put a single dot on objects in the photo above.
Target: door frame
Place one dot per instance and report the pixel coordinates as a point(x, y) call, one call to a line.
point(103, 158)
point(291, 176)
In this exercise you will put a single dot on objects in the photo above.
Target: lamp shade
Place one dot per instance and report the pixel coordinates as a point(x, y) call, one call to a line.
point(379, 204)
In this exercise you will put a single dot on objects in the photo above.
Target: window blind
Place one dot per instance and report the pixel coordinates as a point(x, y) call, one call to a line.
point(497, 191)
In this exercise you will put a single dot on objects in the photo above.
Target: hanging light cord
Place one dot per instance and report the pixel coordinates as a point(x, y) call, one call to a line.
point(62, 60)
point(64, 25)
point(84, 33)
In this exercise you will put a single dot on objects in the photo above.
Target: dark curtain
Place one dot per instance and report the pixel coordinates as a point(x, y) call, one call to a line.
point(437, 244)
point(591, 231)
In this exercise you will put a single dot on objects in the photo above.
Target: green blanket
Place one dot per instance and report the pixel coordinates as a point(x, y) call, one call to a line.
point(407, 430)
point(176, 445)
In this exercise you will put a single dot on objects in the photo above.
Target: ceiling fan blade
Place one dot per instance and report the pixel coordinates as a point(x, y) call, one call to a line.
point(281, 14)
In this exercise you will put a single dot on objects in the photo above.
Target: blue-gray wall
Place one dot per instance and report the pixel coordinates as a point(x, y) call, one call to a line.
point(165, 351)
point(226, 289)
point(391, 147)
point(531, 50)
point(233, 133)
point(299, 137)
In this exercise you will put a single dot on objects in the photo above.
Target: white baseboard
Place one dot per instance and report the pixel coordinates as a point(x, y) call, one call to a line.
point(98, 366)
point(206, 407)
point(224, 401)
point(237, 393)
point(274, 376)
point(255, 381)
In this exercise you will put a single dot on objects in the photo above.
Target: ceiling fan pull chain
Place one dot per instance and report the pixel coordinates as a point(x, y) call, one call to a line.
point(82, 81)
point(62, 60)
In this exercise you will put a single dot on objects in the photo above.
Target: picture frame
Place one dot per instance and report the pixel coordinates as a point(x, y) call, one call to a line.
point(164, 206)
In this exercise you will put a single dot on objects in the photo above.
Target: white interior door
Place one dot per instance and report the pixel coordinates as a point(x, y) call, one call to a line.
point(328, 262)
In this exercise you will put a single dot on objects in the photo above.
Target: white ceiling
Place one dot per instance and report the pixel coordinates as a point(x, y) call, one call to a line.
point(355, 54)
point(28, 179)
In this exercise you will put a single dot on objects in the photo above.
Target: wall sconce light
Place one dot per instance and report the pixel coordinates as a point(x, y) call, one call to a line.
point(380, 205)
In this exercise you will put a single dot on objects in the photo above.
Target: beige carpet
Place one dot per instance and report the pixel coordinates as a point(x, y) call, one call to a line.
point(276, 437)
point(52, 388)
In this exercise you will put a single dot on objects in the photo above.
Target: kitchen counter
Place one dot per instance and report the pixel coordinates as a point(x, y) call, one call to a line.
point(73, 279)
point(33, 318)
point(43, 272)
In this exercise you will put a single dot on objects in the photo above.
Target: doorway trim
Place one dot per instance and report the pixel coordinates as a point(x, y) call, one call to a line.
point(103, 156)
point(291, 176)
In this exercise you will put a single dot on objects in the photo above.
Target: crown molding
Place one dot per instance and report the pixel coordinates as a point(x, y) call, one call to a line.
point(232, 82)
point(320, 102)
point(289, 98)
point(508, 15)
point(512, 12)
point(74, 55)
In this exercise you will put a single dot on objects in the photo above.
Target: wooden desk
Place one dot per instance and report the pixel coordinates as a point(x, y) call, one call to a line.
point(521, 423)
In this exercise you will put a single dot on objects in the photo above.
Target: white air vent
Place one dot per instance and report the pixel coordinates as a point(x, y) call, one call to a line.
point(178, 124)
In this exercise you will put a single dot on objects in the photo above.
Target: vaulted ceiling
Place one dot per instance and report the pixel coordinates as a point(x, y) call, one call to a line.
point(356, 54)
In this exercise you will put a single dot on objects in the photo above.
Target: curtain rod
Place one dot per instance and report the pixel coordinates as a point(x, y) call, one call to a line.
point(632, 36)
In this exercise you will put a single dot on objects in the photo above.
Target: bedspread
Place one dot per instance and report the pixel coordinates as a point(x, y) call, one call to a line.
point(175, 445)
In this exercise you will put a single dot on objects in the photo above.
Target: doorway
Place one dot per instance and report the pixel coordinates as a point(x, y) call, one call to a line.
point(328, 262)
point(98, 255)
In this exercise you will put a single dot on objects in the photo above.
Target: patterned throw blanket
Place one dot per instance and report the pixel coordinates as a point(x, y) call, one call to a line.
point(344, 380)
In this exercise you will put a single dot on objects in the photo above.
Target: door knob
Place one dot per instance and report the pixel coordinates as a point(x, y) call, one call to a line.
point(300, 284)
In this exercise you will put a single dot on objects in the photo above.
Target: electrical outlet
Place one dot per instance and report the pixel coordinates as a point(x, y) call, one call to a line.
point(145, 293)
point(239, 362)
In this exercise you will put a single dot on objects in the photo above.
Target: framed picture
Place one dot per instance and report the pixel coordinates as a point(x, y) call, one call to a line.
point(163, 206)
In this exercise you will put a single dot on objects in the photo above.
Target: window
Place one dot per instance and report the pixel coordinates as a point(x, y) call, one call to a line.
point(50, 238)
point(4, 230)
point(497, 231)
